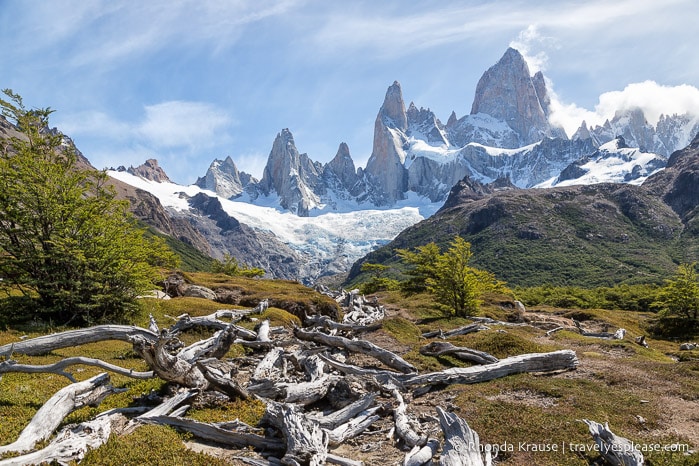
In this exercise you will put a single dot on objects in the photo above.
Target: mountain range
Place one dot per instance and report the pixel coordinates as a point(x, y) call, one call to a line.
point(304, 219)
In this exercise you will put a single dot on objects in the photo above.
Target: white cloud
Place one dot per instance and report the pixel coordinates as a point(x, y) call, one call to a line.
point(527, 41)
point(654, 99)
point(189, 124)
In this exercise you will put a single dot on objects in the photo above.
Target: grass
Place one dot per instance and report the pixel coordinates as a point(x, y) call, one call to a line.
point(616, 382)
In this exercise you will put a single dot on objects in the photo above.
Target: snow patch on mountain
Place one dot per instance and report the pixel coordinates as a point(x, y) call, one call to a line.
point(338, 238)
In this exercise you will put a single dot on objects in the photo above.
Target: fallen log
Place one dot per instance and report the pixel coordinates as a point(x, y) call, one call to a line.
point(214, 347)
point(60, 366)
point(303, 393)
point(617, 451)
point(439, 348)
point(420, 456)
point(404, 429)
point(306, 442)
point(47, 343)
point(461, 443)
point(353, 427)
point(534, 362)
point(327, 323)
point(90, 392)
point(332, 420)
point(70, 444)
point(167, 366)
point(390, 359)
point(220, 376)
point(212, 433)
point(465, 330)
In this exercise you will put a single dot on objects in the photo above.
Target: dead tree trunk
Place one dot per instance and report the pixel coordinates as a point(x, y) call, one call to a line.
point(461, 443)
point(47, 343)
point(306, 442)
point(90, 392)
point(439, 348)
point(535, 362)
point(70, 444)
point(390, 359)
point(616, 450)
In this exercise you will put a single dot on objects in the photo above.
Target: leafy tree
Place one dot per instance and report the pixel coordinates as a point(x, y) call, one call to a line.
point(229, 265)
point(424, 265)
point(448, 276)
point(679, 298)
point(378, 280)
point(66, 243)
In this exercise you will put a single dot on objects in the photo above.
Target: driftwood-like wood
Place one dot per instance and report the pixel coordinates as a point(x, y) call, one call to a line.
point(306, 442)
point(220, 376)
point(439, 348)
point(461, 443)
point(70, 444)
point(353, 427)
point(327, 323)
point(390, 359)
point(534, 362)
point(617, 451)
point(214, 347)
point(167, 366)
point(465, 330)
point(90, 392)
point(332, 420)
point(270, 368)
point(404, 429)
point(47, 343)
point(212, 433)
point(420, 456)
point(60, 366)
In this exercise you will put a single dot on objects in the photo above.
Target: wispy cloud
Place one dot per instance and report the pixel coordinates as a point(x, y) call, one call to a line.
point(178, 124)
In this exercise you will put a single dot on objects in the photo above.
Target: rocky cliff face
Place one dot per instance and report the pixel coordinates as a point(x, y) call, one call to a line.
point(224, 178)
point(150, 170)
point(292, 176)
point(508, 93)
point(385, 170)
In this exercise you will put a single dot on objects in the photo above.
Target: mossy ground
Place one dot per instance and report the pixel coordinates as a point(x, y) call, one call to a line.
point(645, 394)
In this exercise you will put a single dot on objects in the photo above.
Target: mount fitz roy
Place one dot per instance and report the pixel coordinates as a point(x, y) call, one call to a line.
point(315, 219)
point(507, 135)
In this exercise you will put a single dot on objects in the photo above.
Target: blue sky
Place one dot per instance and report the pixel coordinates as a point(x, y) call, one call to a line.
point(189, 81)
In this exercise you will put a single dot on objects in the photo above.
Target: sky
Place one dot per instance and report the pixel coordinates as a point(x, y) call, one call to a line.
point(186, 82)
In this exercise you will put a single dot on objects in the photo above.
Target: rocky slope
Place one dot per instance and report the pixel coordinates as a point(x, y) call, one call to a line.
point(587, 235)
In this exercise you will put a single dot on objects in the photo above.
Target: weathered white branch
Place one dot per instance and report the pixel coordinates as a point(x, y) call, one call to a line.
point(390, 359)
point(47, 343)
point(219, 375)
point(420, 456)
point(353, 427)
point(60, 366)
point(461, 443)
point(167, 366)
point(306, 442)
point(403, 428)
point(617, 451)
point(70, 444)
point(534, 362)
point(465, 330)
point(439, 348)
point(327, 323)
point(341, 416)
point(89, 392)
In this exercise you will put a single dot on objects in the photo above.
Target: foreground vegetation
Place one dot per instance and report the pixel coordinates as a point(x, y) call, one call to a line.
point(649, 395)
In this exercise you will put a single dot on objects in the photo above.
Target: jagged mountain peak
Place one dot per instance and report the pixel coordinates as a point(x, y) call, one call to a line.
point(507, 92)
point(224, 178)
point(150, 170)
point(392, 112)
point(293, 176)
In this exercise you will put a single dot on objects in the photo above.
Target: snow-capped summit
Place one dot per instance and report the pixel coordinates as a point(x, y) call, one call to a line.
point(224, 178)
